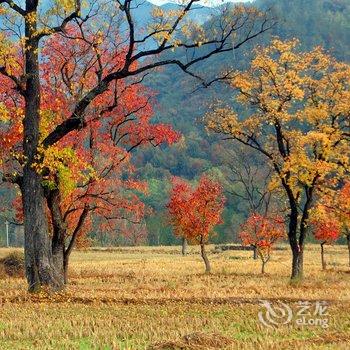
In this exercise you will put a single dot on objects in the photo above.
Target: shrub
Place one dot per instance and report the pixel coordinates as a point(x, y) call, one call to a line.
point(13, 264)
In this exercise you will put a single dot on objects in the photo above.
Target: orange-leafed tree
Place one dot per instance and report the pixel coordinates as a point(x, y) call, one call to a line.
point(326, 231)
point(296, 115)
point(194, 212)
point(262, 233)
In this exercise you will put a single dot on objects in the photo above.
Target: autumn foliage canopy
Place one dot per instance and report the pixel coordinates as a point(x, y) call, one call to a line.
point(89, 167)
point(262, 232)
point(331, 216)
point(327, 231)
point(295, 114)
point(194, 212)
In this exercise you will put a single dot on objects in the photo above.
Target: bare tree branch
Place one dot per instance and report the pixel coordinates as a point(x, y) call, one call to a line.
point(14, 7)
point(221, 45)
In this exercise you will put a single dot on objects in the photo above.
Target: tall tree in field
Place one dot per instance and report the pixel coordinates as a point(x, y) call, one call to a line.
point(86, 173)
point(195, 212)
point(297, 117)
point(262, 233)
point(116, 50)
point(248, 177)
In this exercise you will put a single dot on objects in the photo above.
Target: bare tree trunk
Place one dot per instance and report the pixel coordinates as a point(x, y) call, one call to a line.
point(323, 261)
point(184, 246)
point(204, 256)
point(72, 242)
point(40, 270)
point(264, 260)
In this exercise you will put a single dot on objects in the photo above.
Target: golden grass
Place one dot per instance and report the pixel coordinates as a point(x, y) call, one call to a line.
point(153, 298)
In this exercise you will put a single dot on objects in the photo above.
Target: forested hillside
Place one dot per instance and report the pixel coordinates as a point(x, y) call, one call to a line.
point(313, 22)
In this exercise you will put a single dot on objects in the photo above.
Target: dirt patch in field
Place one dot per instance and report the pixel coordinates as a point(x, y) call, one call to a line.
point(195, 341)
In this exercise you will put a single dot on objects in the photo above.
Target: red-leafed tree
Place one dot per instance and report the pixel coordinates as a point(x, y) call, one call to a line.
point(342, 206)
point(326, 231)
point(194, 212)
point(87, 175)
point(93, 51)
point(331, 216)
point(262, 233)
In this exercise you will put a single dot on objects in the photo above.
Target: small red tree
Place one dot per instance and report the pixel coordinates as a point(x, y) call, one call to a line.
point(331, 216)
point(262, 233)
point(195, 212)
point(327, 231)
point(343, 205)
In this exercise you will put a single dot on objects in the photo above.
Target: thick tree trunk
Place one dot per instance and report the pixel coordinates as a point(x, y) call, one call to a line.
point(297, 249)
point(297, 245)
point(298, 253)
point(323, 261)
point(60, 253)
point(297, 262)
point(184, 246)
point(40, 270)
point(205, 257)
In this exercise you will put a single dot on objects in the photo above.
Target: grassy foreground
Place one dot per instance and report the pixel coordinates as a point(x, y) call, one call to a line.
point(153, 298)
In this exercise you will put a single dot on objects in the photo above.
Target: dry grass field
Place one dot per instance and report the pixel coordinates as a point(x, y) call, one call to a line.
point(153, 298)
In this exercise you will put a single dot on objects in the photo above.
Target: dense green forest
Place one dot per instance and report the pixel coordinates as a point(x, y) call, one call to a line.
point(182, 102)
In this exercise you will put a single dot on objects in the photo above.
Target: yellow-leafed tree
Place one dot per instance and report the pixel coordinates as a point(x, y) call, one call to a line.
point(296, 112)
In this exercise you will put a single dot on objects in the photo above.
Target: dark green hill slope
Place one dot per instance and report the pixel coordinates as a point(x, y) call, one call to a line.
point(314, 22)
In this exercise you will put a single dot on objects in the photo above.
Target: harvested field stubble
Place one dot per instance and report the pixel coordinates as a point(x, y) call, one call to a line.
point(153, 298)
